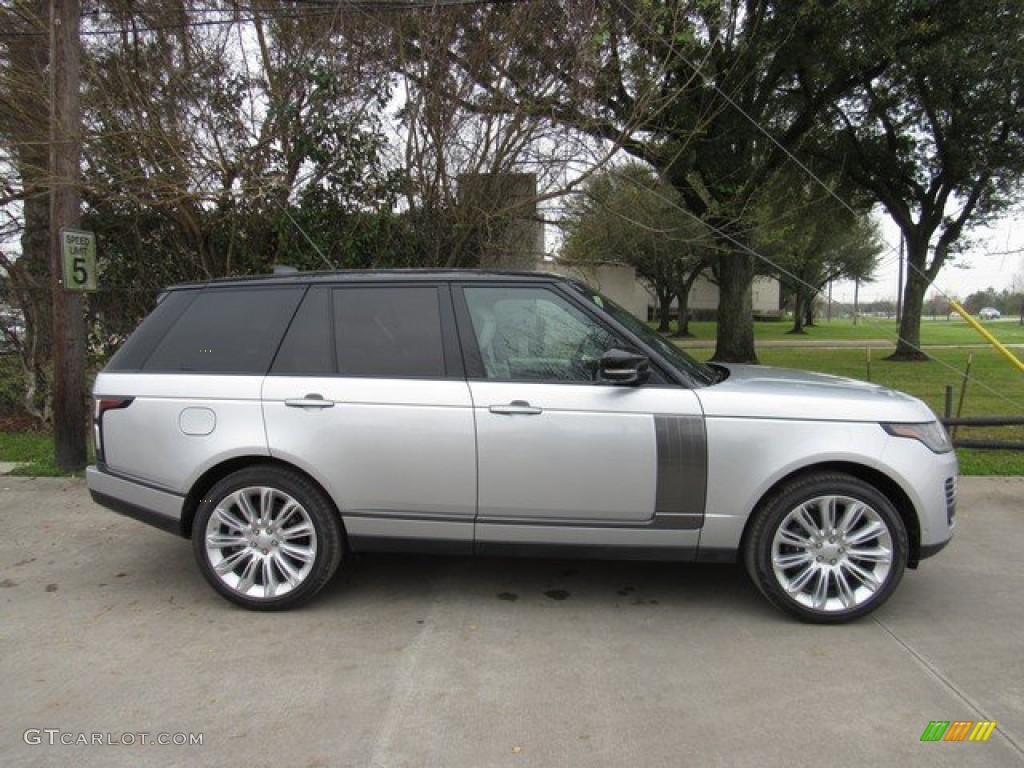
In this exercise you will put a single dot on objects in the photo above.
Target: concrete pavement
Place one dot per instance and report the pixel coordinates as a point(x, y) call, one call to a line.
point(108, 631)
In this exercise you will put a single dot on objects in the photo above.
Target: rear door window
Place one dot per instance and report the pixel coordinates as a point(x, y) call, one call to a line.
point(308, 347)
point(389, 331)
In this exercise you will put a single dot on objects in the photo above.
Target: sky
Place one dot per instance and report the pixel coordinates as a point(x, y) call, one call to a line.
point(994, 259)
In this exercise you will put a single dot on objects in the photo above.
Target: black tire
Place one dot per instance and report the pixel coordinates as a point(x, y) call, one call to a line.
point(826, 548)
point(275, 542)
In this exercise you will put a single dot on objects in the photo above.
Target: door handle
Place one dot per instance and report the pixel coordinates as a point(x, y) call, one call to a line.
point(310, 401)
point(516, 408)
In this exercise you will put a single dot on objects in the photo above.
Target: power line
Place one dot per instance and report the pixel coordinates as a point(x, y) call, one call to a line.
point(767, 134)
point(312, 9)
point(247, 14)
point(752, 252)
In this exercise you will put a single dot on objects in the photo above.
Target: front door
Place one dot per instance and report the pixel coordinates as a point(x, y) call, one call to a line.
point(556, 447)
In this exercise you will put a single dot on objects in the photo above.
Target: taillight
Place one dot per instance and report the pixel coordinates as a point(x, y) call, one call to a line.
point(100, 406)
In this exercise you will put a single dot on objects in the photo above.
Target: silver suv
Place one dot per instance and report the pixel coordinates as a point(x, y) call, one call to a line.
point(284, 422)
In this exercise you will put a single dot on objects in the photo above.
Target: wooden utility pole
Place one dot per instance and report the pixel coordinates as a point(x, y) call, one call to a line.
point(69, 396)
point(899, 284)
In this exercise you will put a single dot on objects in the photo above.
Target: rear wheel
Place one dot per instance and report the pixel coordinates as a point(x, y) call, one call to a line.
point(827, 548)
point(266, 538)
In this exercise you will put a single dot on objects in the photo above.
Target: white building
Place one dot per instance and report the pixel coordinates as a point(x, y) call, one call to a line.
point(620, 284)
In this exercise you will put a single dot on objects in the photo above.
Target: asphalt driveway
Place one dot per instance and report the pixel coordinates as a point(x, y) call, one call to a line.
point(111, 642)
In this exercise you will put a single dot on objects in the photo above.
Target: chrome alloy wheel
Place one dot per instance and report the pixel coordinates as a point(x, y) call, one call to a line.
point(832, 553)
point(260, 542)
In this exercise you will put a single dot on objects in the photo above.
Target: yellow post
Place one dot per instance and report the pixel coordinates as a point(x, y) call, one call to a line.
point(987, 336)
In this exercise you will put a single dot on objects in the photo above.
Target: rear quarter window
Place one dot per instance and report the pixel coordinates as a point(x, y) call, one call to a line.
point(140, 345)
point(227, 331)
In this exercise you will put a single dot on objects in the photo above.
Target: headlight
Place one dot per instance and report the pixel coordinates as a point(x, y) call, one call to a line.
point(931, 433)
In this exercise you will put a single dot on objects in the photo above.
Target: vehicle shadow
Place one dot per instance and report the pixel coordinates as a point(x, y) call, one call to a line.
point(553, 581)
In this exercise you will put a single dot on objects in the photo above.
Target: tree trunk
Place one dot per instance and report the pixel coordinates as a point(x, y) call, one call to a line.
point(683, 303)
point(664, 310)
point(683, 324)
point(31, 282)
point(798, 312)
point(28, 120)
point(908, 348)
point(734, 342)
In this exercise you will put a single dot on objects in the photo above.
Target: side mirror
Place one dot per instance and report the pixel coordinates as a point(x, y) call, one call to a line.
point(624, 368)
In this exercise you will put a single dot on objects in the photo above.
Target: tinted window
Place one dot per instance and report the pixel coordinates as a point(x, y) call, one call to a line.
point(228, 331)
point(307, 347)
point(132, 356)
point(533, 334)
point(388, 331)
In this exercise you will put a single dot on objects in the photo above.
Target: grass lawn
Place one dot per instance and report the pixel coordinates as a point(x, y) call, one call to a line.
point(33, 450)
point(995, 389)
point(933, 331)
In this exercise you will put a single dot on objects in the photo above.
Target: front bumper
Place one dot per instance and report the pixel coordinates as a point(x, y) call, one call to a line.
point(932, 549)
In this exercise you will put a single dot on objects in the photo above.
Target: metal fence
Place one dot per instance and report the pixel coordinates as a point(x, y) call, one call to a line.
point(985, 421)
point(953, 422)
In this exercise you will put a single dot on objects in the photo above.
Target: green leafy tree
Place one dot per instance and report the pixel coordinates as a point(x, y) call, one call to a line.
point(627, 215)
point(936, 135)
point(1007, 301)
point(711, 94)
point(811, 238)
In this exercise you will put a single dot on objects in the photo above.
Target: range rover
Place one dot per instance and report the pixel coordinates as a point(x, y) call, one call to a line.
point(284, 422)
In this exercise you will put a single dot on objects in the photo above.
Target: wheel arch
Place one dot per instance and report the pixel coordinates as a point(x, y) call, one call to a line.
point(218, 472)
point(879, 480)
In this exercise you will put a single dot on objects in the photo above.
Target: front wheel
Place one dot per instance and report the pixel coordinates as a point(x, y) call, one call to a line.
point(827, 548)
point(266, 538)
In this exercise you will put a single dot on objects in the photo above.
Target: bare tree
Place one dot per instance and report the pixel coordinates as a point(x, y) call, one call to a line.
point(446, 138)
point(207, 129)
point(24, 200)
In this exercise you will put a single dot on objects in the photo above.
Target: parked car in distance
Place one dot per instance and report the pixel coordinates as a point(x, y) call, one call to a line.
point(284, 422)
point(989, 313)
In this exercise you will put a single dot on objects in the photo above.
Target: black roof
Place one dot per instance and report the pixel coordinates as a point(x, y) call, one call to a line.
point(379, 275)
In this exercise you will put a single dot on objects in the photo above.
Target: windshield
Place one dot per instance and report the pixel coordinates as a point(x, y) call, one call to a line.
point(700, 373)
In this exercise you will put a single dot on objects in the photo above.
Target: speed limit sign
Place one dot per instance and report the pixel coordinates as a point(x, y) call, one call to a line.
point(78, 252)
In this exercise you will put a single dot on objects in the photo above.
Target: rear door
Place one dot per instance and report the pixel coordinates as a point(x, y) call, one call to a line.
point(368, 397)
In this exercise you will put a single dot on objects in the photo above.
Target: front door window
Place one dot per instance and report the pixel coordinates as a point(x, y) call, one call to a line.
point(533, 334)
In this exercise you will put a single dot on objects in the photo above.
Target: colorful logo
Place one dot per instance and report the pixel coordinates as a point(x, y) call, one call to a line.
point(958, 730)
